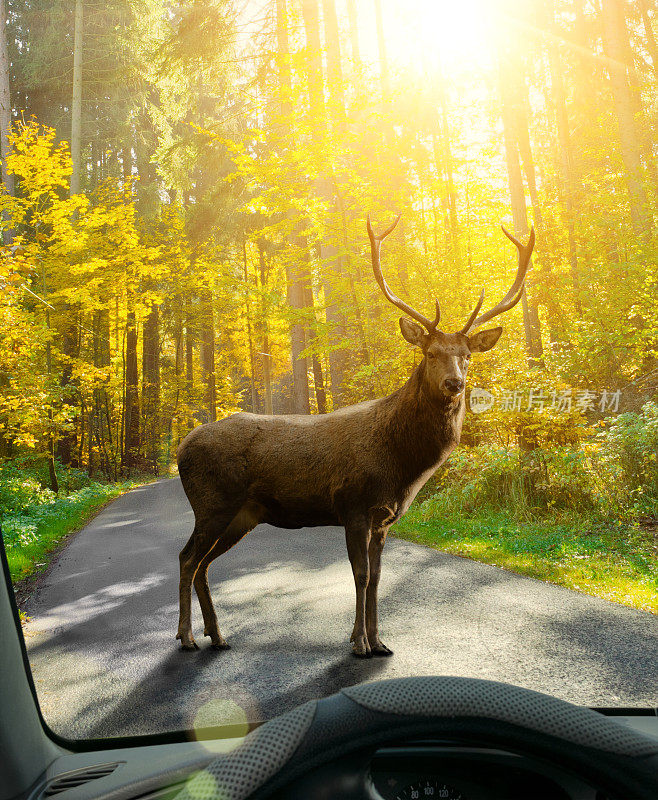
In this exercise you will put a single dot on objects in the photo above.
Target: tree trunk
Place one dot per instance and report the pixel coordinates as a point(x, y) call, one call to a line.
point(333, 264)
point(131, 401)
point(296, 301)
point(651, 39)
point(444, 128)
point(151, 387)
point(334, 64)
point(90, 439)
point(328, 253)
point(517, 196)
point(381, 49)
point(310, 13)
point(104, 325)
point(5, 112)
point(178, 334)
point(189, 351)
point(520, 107)
point(294, 280)
point(208, 352)
point(147, 188)
point(265, 354)
point(385, 80)
point(190, 329)
point(565, 157)
point(250, 338)
point(126, 163)
point(629, 137)
point(644, 131)
point(318, 378)
point(76, 103)
point(101, 328)
point(354, 35)
point(52, 473)
point(66, 443)
point(320, 392)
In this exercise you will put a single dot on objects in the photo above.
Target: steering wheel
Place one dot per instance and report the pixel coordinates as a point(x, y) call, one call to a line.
point(611, 756)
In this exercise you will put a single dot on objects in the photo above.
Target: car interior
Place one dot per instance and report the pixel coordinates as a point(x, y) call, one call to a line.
point(405, 738)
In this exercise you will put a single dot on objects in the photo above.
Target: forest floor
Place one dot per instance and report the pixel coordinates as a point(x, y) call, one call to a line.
point(614, 562)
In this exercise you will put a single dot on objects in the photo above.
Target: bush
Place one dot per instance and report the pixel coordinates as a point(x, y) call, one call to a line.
point(30, 512)
point(628, 462)
point(24, 484)
point(21, 489)
point(614, 474)
point(35, 520)
point(24, 525)
point(482, 477)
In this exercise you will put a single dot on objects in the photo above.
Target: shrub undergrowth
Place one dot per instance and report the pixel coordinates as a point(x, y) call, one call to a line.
point(584, 516)
point(35, 519)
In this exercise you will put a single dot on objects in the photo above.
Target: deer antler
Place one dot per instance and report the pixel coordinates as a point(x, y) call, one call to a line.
point(375, 246)
point(516, 290)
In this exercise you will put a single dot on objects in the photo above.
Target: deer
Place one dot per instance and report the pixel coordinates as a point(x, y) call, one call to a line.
point(359, 467)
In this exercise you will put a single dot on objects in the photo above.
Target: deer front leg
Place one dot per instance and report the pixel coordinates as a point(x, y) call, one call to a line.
point(375, 557)
point(357, 534)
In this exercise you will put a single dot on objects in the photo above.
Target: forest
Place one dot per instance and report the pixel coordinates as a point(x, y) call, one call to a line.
point(185, 190)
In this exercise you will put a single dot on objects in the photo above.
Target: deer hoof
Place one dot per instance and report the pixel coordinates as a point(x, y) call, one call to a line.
point(380, 649)
point(187, 642)
point(360, 647)
point(218, 642)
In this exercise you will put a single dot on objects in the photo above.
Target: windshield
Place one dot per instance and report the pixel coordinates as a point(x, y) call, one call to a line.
point(261, 437)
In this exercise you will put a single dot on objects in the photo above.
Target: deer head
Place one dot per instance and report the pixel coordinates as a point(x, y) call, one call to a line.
point(447, 355)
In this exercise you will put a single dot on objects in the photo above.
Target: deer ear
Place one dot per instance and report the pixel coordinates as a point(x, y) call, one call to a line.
point(482, 341)
point(412, 332)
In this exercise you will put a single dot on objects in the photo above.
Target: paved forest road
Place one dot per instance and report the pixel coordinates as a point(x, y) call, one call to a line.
point(106, 663)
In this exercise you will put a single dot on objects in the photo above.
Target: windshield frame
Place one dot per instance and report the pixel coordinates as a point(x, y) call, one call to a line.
point(115, 742)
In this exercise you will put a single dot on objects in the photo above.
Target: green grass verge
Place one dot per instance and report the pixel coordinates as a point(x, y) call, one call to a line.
point(618, 563)
point(31, 537)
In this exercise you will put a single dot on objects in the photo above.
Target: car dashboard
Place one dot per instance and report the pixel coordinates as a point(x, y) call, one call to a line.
point(404, 770)
point(437, 769)
point(410, 771)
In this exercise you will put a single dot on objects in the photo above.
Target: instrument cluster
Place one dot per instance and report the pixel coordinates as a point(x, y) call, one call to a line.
point(428, 771)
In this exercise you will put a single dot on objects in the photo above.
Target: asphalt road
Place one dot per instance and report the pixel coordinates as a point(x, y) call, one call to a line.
point(105, 661)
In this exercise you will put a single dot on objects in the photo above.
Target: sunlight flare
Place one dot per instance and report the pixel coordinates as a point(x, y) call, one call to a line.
point(436, 34)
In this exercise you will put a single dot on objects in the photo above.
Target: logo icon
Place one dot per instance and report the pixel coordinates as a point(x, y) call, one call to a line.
point(480, 400)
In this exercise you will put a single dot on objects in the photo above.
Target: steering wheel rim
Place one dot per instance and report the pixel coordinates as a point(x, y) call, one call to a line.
point(615, 758)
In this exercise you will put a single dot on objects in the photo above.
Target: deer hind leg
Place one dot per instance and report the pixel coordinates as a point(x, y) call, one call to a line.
point(357, 535)
point(375, 548)
point(210, 624)
point(244, 521)
point(199, 545)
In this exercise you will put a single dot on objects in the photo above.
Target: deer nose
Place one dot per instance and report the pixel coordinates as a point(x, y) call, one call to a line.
point(454, 385)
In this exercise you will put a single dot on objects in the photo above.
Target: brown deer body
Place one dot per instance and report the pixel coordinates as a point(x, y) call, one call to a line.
point(359, 467)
